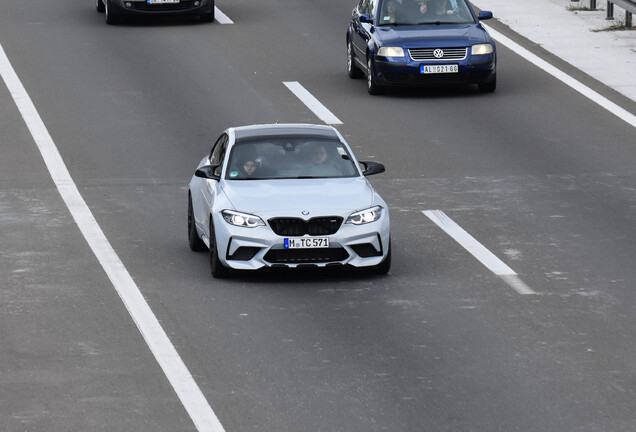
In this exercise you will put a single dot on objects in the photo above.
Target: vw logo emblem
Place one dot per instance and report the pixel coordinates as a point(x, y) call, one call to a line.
point(438, 53)
point(305, 212)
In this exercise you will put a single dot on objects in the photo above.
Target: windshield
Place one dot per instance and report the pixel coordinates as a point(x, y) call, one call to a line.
point(412, 12)
point(290, 158)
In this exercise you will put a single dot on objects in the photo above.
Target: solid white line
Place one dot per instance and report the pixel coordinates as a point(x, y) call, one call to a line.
point(220, 17)
point(563, 77)
point(480, 252)
point(312, 103)
point(175, 370)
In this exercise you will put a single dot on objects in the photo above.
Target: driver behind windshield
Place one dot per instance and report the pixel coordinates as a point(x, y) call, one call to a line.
point(418, 11)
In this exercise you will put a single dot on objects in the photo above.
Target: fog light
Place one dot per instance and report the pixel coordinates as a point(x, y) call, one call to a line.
point(128, 4)
point(197, 3)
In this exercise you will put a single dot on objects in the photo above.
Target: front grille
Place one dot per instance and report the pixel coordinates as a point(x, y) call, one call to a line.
point(305, 256)
point(427, 54)
point(299, 227)
point(182, 5)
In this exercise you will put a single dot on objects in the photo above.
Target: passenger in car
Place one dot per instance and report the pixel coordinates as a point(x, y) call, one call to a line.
point(438, 8)
point(391, 12)
point(249, 168)
point(321, 165)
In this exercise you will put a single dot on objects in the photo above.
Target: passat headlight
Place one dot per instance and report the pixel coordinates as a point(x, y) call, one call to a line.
point(391, 52)
point(365, 216)
point(242, 219)
point(481, 49)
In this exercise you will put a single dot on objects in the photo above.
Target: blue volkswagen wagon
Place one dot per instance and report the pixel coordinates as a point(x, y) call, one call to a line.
point(428, 42)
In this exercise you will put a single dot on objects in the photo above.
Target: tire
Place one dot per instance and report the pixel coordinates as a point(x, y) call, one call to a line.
point(208, 17)
point(218, 270)
point(111, 18)
point(488, 86)
point(99, 5)
point(353, 70)
point(195, 242)
point(372, 87)
point(384, 267)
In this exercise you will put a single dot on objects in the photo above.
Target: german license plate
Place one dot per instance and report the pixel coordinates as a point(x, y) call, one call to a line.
point(162, 1)
point(307, 243)
point(433, 69)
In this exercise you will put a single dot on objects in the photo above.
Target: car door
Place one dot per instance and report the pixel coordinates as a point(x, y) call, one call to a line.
point(362, 31)
point(210, 188)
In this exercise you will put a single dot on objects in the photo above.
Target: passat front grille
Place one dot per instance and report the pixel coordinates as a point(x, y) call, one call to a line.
point(428, 54)
point(299, 227)
point(305, 256)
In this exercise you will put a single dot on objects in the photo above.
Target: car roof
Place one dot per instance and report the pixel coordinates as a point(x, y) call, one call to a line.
point(282, 130)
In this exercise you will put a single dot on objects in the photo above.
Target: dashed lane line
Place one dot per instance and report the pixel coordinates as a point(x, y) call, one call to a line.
point(312, 103)
point(220, 17)
point(479, 251)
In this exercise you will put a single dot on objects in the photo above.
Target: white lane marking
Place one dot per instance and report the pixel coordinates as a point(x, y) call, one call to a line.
point(175, 370)
point(480, 252)
point(312, 103)
point(220, 17)
point(563, 77)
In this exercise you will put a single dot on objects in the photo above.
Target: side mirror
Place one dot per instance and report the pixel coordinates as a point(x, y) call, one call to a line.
point(365, 18)
point(371, 168)
point(485, 15)
point(207, 172)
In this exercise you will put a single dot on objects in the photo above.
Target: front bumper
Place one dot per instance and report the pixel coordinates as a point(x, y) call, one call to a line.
point(137, 7)
point(254, 248)
point(406, 72)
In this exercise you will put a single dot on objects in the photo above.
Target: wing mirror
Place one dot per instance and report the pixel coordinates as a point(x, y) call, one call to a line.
point(365, 18)
point(207, 172)
point(371, 168)
point(485, 15)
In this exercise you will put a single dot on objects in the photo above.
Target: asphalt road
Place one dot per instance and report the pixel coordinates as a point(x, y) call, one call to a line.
point(539, 175)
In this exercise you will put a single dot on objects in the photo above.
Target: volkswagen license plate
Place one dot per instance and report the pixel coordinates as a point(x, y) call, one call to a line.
point(162, 1)
point(307, 243)
point(433, 69)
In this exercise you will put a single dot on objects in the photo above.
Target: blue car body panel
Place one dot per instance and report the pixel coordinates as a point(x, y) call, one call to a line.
point(368, 36)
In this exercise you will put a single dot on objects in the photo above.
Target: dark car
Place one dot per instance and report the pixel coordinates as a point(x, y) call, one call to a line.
point(116, 9)
point(410, 43)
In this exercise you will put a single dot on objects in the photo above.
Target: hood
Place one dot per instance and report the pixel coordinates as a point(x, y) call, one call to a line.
point(291, 196)
point(432, 35)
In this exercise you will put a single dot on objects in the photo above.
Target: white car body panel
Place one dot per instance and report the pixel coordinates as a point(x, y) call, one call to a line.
point(302, 198)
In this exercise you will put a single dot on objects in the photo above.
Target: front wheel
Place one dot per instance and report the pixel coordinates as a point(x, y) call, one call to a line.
point(372, 87)
point(384, 267)
point(219, 271)
point(195, 242)
point(99, 5)
point(207, 17)
point(488, 86)
point(111, 17)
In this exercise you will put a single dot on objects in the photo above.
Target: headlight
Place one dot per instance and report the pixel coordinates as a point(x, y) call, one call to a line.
point(242, 219)
point(481, 49)
point(391, 52)
point(365, 216)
